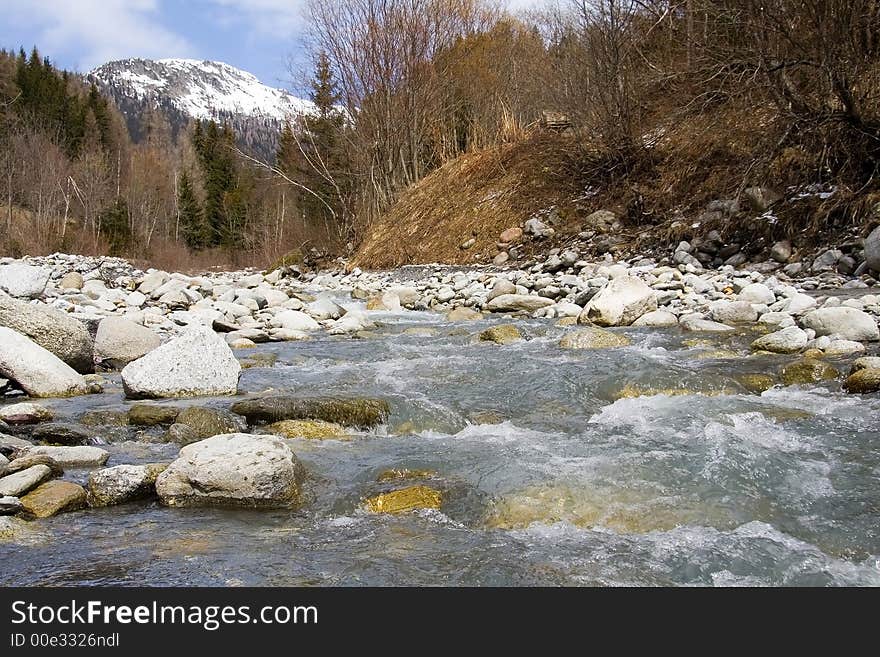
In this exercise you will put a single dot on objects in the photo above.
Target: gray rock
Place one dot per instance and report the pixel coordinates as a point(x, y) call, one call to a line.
point(776, 320)
point(23, 280)
point(866, 363)
point(757, 293)
point(517, 302)
point(501, 286)
point(732, 312)
point(71, 281)
point(294, 320)
point(789, 340)
point(123, 483)
point(207, 422)
point(70, 457)
point(9, 506)
point(657, 319)
point(620, 303)
point(16, 485)
point(120, 341)
point(699, 324)
point(199, 362)
point(781, 252)
point(59, 433)
point(239, 470)
point(846, 323)
point(39, 372)
point(538, 228)
point(52, 329)
point(872, 250)
point(827, 261)
point(25, 413)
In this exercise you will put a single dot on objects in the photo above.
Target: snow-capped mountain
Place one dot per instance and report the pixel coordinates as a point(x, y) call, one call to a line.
point(187, 89)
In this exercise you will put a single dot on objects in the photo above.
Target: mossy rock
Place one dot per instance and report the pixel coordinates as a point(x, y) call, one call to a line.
point(502, 334)
point(405, 499)
point(358, 412)
point(149, 415)
point(756, 383)
point(207, 422)
point(308, 429)
point(264, 359)
point(808, 370)
point(633, 391)
point(863, 381)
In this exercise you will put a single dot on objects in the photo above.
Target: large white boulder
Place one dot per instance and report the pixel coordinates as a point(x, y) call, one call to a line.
point(620, 303)
point(56, 331)
point(757, 293)
point(848, 323)
point(39, 372)
point(199, 362)
point(789, 340)
point(120, 341)
point(294, 320)
point(22, 280)
point(235, 469)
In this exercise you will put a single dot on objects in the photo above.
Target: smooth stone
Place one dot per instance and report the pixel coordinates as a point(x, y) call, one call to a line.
point(757, 293)
point(19, 483)
point(120, 341)
point(846, 323)
point(26, 461)
point(60, 433)
point(294, 320)
point(732, 312)
point(789, 340)
point(866, 363)
point(21, 280)
point(25, 413)
point(148, 415)
point(38, 371)
point(70, 457)
point(657, 319)
point(844, 348)
point(698, 324)
point(463, 314)
point(52, 498)
point(517, 303)
point(353, 412)
point(238, 470)
point(55, 331)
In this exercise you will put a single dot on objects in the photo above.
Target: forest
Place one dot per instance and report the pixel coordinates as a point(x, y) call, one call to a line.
point(662, 105)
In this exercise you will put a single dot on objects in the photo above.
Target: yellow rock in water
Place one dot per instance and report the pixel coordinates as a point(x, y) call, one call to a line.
point(567, 321)
point(309, 429)
point(756, 383)
point(395, 474)
point(501, 334)
point(405, 499)
point(717, 354)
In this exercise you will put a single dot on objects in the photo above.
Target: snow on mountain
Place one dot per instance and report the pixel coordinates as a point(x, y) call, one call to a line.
point(199, 89)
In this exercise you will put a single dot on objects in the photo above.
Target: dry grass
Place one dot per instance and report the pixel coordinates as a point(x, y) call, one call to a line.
point(477, 195)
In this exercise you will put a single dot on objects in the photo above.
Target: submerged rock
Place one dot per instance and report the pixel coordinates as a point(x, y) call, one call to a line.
point(592, 338)
point(207, 422)
point(55, 331)
point(405, 499)
point(238, 470)
point(123, 483)
point(308, 429)
point(756, 383)
point(347, 411)
point(52, 498)
point(39, 372)
point(403, 474)
point(502, 334)
point(197, 363)
point(808, 370)
point(148, 415)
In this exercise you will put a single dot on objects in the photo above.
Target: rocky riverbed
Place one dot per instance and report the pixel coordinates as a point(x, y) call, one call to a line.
point(567, 422)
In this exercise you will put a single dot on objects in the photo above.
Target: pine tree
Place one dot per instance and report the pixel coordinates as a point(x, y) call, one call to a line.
point(191, 218)
point(115, 226)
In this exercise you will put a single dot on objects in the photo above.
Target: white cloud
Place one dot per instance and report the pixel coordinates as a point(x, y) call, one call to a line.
point(101, 30)
point(275, 18)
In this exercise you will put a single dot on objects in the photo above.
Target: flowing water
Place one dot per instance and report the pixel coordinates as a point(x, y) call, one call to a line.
point(552, 473)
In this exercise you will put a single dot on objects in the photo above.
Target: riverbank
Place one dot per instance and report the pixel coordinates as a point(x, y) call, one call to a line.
point(435, 425)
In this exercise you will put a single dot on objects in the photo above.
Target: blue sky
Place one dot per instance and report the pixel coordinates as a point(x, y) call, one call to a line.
point(260, 36)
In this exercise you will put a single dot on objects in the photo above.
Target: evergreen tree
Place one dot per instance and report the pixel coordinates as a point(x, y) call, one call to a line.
point(115, 226)
point(192, 222)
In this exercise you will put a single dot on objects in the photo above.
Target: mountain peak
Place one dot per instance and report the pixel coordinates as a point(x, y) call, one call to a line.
point(199, 89)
